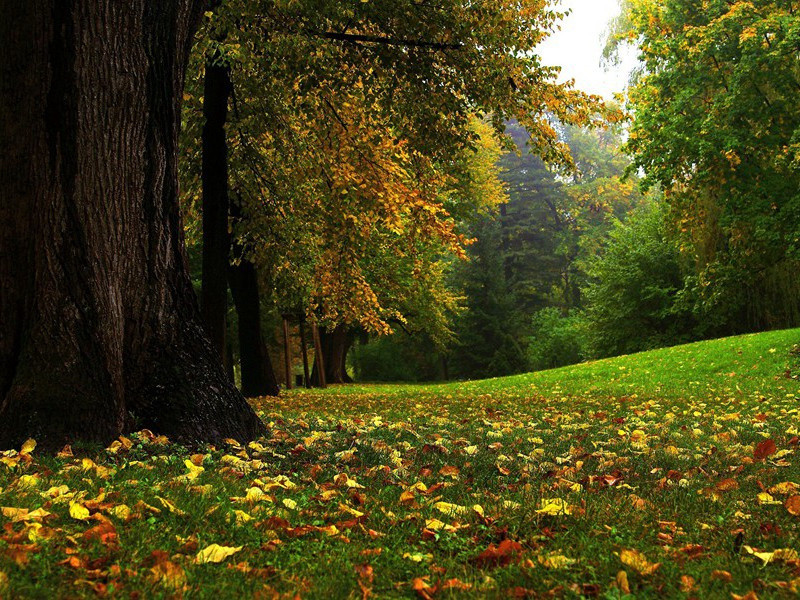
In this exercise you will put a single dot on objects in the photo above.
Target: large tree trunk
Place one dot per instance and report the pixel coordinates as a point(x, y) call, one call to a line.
point(99, 327)
point(216, 240)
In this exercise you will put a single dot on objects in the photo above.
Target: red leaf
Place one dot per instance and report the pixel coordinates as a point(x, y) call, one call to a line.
point(764, 449)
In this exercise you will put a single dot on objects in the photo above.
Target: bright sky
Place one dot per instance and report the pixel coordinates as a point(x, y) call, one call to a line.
point(578, 47)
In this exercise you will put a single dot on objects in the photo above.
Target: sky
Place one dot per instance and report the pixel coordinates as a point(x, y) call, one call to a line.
point(578, 47)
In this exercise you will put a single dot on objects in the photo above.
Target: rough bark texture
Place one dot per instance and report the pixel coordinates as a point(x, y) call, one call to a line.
point(99, 327)
point(335, 345)
point(216, 240)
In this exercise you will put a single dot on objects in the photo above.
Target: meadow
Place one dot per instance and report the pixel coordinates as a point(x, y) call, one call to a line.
point(672, 473)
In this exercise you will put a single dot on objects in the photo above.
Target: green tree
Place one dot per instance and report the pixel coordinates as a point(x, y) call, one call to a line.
point(634, 299)
point(717, 126)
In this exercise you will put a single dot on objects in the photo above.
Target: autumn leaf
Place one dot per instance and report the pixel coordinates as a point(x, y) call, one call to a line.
point(553, 507)
point(500, 555)
point(792, 505)
point(622, 582)
point(28, 446)
point(169, 574)
point(555, 560)
point(216, 553)
point(638, 561)
point(764, 449)
point(78, 511)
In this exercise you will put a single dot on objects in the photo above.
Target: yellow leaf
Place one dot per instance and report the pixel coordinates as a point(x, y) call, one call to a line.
point(417, 556)
point(242, 517)
point(78, 511)
point(330, 530)
point(216, 553)
point(556, 561)
point(254, 494)
point(470, 450)
point(194, 471)
point(28, 446)
point(479, 509)
point(170, 506)
point(554, 506)
point(765, 498)
point(289, 503)
point(450, 509)
point(120, 511)
point(27, 481)
point(638, 561)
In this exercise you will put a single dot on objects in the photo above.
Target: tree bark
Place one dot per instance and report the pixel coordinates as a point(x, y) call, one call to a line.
point(335, 345)
point(304, 351)
point(100, 332)
point(216, 240)
point(318, 373)
point(287, 354)
point(258, 376)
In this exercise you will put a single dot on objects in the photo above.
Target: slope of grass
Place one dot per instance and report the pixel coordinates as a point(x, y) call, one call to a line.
point(671, 473)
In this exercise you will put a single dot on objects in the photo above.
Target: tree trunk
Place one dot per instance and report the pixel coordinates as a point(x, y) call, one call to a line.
point(216, 240)
point(287, 354)
point(304, 351)
point(258, 376)
point(335, 346)
point(99, 327)
point(318, 374)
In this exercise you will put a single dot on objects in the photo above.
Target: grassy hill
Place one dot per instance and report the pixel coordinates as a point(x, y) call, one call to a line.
point(672, 473)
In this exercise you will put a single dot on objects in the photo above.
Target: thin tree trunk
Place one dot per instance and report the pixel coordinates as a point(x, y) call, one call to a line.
point(258, 376)
point(318, 375)
point(216, 240)
point(287, 354)
point(100, 331)
point(304, 349)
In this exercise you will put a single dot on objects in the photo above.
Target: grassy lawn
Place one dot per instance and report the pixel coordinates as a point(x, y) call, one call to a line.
point(673, 473)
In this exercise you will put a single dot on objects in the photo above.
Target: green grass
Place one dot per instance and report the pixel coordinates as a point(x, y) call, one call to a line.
point(651, 453)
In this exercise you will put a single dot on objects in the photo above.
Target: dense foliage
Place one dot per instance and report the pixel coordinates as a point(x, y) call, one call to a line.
point(717, 126)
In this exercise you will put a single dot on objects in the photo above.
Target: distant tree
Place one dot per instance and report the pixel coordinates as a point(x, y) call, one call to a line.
point(490, 331)
point(634, 297)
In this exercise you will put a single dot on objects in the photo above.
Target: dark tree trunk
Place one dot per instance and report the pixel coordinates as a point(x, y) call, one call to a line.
point(335, 346)
point(318, 374)
point(216, 240)
point(258, 376)
point(287, 354)
point(99, 327)
point(304, 351)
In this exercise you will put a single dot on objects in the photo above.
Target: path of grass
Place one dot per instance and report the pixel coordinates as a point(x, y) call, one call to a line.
point(652, 475)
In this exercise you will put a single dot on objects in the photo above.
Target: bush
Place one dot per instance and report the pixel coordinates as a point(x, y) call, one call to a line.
point(557, 340)
point(635, 295)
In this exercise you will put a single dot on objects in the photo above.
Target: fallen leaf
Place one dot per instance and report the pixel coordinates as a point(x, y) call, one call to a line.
point(78, 511)
point(554, 506)
point(216, 553)
point(638, 561)
point(764, 449)
point(792, 505)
